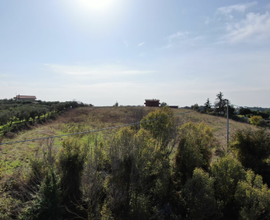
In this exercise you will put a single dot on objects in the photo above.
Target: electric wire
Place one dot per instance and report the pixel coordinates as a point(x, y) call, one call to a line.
point(95, 130)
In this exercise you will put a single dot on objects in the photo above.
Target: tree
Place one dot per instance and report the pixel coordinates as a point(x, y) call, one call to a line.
point(207, 105)
point(231, 110)
point(195, 106)
point(220, 104)
point(4, 117)
point(163, 104)
point(244, 111)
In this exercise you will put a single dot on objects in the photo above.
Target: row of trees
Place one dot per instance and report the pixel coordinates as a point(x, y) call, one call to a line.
point(246, 115)
point(155, 172)
point(220, 106)
point(16, 113)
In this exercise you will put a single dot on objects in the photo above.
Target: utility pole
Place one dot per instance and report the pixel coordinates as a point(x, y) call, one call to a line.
point(228, 132)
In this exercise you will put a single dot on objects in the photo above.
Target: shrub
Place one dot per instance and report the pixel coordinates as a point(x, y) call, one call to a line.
point(47, 202)
point(160, 124)
point(255, 120)
point(139, 178)
point(254, 197)
point(71, 160)
point(163, 104)
point(227, 173)
point(199, 196)
point(194, 150)
point(253, 149)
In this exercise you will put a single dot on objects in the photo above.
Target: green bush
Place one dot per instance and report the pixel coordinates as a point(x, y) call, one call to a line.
point(160, 124)
point(71, 160)
point(46, 204)
point(194, 150)
point(227, 173)
point(256, 120)
point(253, 197)
point(199, 196)
point(253, 149)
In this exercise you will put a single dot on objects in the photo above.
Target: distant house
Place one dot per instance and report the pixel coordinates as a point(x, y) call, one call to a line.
point(151, 103)
point(25, 98)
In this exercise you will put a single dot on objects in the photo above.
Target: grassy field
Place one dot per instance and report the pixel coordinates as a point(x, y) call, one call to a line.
point(89, 118)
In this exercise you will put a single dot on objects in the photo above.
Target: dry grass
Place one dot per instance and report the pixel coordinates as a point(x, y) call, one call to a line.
point(219, 124)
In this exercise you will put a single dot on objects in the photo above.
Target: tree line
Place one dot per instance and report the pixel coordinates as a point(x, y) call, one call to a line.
point(14, 113)
point(246, 115)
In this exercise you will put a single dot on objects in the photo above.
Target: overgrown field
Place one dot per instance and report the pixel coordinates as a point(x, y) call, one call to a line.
point(86, 119)
point(172, 168)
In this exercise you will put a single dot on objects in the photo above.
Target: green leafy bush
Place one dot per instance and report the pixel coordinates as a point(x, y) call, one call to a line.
point(70, 162)
point(227, 173)
point(194, 150)
point(253, 197)
point(253, 149)
point(256, 120)
point(199, 196)
point(46, 204)
point(160, 124)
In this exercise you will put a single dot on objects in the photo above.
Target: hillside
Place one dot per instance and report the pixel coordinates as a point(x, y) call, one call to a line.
point(86, 119)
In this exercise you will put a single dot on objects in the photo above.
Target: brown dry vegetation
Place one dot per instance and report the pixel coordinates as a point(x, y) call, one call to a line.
point(85, 119)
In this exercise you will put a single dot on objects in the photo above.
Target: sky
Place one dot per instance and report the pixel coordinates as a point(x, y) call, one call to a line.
point(102, 52)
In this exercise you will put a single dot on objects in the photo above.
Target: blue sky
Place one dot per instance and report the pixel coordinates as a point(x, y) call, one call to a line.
point(100, 52)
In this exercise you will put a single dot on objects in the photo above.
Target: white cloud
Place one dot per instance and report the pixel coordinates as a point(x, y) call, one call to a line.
point(183, 38)
point(97, 72)
point(254, 28)
point(238, 8)
point(3, 75)
point(177, 36)
point(140, 44)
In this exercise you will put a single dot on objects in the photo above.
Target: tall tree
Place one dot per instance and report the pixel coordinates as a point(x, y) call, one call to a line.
point(207, 105)
point(220, 103)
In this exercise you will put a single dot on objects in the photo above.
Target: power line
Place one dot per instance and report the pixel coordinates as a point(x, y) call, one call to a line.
point(95, 130)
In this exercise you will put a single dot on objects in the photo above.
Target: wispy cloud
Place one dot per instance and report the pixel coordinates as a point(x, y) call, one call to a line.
point(255, 27)
point(97, 72)
point(183, 38)
point(177, 36)
point(3, 75)
point(140, 44)
point(238, 8)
